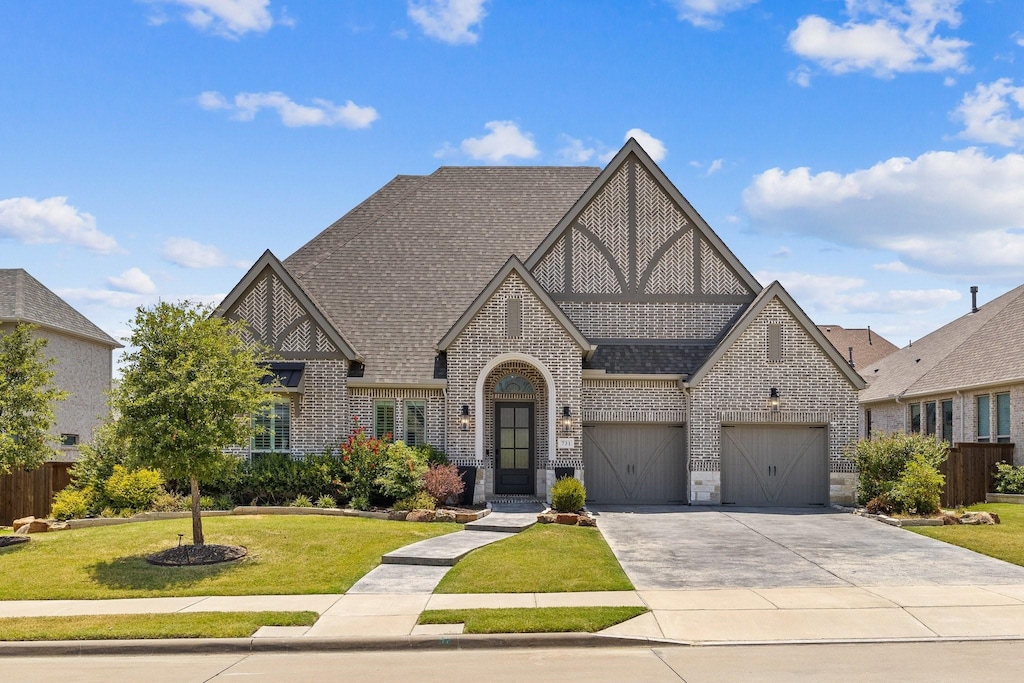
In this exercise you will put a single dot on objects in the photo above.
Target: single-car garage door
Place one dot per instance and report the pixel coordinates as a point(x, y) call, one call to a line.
point(783, 466)
point(635, 464)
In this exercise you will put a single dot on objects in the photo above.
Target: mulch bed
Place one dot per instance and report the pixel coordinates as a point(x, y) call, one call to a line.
point(191, 555)
point(13, 540)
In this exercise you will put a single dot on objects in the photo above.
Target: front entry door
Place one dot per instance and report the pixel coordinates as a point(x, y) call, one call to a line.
point(513, 446)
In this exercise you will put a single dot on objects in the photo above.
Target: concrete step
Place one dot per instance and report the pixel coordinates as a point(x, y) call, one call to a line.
point(443, 551)
point(504, 522)
point(400, 579)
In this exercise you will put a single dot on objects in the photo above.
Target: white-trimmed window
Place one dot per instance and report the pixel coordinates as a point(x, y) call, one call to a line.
point(1003, 418)
point(984, 431)
point(274, 427)
point(915, 418)
point(415, 423)
point(384, 419)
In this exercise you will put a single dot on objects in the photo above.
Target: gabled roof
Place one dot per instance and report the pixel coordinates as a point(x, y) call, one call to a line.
point(514, 265)
point(975, 350)
point(24, 299)
point(632, 147)
point(268, 260)
point(772, 291)
point(649, 357)
point(868, 346)
point(402, 267)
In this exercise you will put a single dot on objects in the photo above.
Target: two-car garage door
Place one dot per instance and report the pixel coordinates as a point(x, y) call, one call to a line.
point(783, 465)
point(635, 464)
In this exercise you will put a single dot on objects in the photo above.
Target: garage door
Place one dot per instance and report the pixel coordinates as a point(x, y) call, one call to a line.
point(774, 465)
point(635, 464)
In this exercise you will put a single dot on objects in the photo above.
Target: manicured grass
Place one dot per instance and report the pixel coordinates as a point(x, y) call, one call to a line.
point(128, 626)
point(1004, 541)
point(547, 558)
point(287, 555)
point(533, 620)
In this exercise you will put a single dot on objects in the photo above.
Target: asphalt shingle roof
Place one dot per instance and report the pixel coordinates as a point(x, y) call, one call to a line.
point(669, 358)
point(24, 299)
point(868, 347)
point(976, 349)
point(396, 272)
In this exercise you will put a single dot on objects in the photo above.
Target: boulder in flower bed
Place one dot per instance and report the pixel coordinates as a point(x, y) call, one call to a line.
point(420, 516)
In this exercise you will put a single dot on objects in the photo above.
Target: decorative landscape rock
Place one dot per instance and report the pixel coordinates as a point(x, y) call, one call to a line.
point(13, 540)
point(978, 518)
point(398, 515)
point(192, 555)
point(420, 516)
point(587, 520)
point(547, 518)
point(444, 516)
point(949, 519)
point(570, 518)
point(31, 525)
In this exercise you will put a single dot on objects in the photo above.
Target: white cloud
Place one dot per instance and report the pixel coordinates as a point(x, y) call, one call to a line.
point(943, 211)
point(801, 76)
point(133, 280)
point(782, 252)
point(884, 38)
point(652, 145)
point(715, 166)
point(575, 151)
point(104, 297)
point(322, 112)
point(503, 141)
point(839, 294)
point(52, 221)
point(706, 13)
point(455, 22)
point(988, 111)
point(227, 18)
point(188, 253)
point(892, 267)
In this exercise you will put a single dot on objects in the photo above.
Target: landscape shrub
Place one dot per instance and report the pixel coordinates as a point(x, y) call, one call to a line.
point(205, 503)
point(362, 463)
point(568, 495)
point(223, 502)
point(301, 501)
point(421, 501)
point(133, 489)
point(918, 488)
point(401, 473)
point(275, 478)
point(443, 482)
point(434, 455)
point(881, 460)
point(71, 504)
point(170, 501)
point(326, 502)
point(1008, 479)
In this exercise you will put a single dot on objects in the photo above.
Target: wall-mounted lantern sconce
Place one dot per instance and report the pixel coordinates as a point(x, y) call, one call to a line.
point(773, 400)
point(566, 420)
point(464, 418)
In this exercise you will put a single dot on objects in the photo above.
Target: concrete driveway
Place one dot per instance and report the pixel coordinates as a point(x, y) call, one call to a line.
point(666, 548)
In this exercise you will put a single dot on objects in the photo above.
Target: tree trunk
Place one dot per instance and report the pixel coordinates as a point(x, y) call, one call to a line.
point(197, 517)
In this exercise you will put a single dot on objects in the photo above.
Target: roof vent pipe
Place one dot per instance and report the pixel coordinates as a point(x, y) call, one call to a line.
point(870, 343)
point(850, 351)
point(974, 298)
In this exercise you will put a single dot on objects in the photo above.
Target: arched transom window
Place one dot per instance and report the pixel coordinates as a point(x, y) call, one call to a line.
point(513, 384)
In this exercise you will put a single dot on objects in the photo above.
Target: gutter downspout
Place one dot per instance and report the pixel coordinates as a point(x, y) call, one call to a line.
point(688, 404)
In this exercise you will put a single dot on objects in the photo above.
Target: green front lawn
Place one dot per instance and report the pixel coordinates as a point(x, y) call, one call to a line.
point(130, 626)
point(548, 558)
point(533, 620)
point(1004, 541)
point(287, 555)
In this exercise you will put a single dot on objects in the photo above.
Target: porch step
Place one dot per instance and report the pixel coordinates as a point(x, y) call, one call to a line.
point(507, 519)
point(443, 551)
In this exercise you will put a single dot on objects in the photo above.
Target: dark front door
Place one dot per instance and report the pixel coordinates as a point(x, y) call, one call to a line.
point(513, 447)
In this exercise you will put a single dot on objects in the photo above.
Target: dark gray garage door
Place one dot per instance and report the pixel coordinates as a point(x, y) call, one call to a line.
point(635, 464)
point(784, 466)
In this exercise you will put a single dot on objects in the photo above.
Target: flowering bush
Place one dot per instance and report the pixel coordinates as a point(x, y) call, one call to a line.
point(362, 464)
point(443, 482)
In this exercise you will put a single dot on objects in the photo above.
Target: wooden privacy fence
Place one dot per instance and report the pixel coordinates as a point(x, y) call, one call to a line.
point(31, 493)
point(969, 471)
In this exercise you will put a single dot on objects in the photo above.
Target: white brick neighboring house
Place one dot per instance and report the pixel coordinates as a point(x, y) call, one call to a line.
point(539, 321)
point(83, 354)
point(943, 382)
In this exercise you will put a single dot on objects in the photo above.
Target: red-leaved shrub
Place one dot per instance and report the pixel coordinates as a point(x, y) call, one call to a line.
point(442, 482)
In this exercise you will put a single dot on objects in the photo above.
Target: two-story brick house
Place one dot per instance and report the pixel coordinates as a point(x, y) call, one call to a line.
point(535, 321)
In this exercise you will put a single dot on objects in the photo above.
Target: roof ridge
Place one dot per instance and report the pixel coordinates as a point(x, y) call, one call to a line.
point(370, 221)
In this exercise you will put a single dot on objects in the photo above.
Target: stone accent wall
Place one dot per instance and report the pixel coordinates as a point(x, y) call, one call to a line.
point(811, 387)
point(612, 400)
point(361, 406)
point(604, 320)
point(484, 340)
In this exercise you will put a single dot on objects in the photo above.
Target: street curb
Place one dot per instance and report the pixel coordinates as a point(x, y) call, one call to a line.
point(303, 644)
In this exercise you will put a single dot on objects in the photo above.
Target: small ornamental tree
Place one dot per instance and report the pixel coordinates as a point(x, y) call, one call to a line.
point(26, 400)
point(189, 387)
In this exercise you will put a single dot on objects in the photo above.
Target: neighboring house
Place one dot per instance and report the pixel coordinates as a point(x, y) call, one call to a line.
point(540, 321)
point(964, 382)
point(83, 354)
point(860, 346)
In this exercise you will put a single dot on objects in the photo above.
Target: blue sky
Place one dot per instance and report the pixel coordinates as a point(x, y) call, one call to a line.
point(868, 154)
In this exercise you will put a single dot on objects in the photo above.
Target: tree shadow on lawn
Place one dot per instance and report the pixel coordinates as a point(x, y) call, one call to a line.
point(134, 573)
